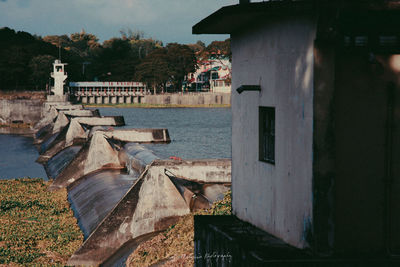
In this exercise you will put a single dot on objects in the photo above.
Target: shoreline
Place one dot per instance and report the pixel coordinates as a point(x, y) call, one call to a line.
point(144, 105)
point(22, 129)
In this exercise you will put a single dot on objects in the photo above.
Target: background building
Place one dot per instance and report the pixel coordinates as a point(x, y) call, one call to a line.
point(212, 75)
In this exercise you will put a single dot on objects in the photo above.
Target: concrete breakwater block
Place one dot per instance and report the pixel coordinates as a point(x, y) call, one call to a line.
point(93, 196)
point(61, 122)
point(152, 204)
point(136, 157)
point(98, 153)
point(102, 151)
point(75, 130)
point(54, 120)
point(51, 128)
point(55, 165)
point(73, 134)
point(49, 116)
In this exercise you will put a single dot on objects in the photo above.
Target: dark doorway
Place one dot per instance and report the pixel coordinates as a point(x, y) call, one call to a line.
point(360, 119)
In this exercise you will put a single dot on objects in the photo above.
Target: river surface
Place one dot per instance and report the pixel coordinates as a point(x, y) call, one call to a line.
point(17, 158)
point(195, 133)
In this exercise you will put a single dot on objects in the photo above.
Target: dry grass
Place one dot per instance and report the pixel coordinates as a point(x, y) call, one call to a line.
point(11, 95)
point(175, 246)
point(37, 227)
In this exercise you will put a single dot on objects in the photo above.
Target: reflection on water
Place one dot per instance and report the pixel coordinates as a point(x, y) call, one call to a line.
point(93, 197)
point(17, 158)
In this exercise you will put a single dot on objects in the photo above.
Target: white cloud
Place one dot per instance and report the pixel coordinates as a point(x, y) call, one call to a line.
point(168, 20)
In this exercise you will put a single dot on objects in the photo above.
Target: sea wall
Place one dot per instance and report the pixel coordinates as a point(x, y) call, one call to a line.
point(25, 110)
point(187, 99)
point(190, 99)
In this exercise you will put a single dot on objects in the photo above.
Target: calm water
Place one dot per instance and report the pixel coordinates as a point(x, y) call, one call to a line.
point(17, 158)
point(195, 133)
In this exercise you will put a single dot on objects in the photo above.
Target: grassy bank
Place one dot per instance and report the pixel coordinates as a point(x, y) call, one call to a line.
point(145, 105)
point(37, 227)
point(175, 246)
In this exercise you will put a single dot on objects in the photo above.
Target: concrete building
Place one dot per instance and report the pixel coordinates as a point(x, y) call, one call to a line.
point(108, 92)
point(213, 75)
point(315, 104)
point(59, 75)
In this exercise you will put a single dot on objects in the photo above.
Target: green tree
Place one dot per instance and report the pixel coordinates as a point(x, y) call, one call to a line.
point(40, 67)
point(115, 61)
point(59, 40)
point(130, 35)
point(154, 69)
point(83, 42)
point(198, 47)
point(181, 61)
point(143, 47)
point(16, 51)
point(77, 50)
point(217, 49)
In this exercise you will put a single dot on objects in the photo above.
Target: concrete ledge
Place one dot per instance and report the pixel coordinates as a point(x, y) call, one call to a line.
point(101, 121)
point(140, 135)
point(82, 113)
point(66, 106)
point(199, 170)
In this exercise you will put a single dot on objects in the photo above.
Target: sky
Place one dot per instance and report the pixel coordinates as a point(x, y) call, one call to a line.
point(165, 20)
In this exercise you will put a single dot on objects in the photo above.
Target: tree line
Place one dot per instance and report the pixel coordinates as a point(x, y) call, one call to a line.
point(26, 60)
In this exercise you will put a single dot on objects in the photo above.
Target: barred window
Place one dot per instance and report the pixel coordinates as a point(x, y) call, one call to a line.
point(267, 134)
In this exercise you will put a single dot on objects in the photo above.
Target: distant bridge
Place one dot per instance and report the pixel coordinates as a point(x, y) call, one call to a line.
point(108, 92)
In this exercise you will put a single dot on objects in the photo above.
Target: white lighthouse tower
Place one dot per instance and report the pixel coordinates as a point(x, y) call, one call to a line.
point(59, 75)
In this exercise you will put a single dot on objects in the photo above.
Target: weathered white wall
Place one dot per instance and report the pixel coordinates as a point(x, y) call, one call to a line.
point(189, 99)
point(278, 55)
point(26, 110)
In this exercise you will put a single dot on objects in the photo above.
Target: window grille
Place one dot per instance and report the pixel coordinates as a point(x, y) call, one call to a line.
point(267, 134)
